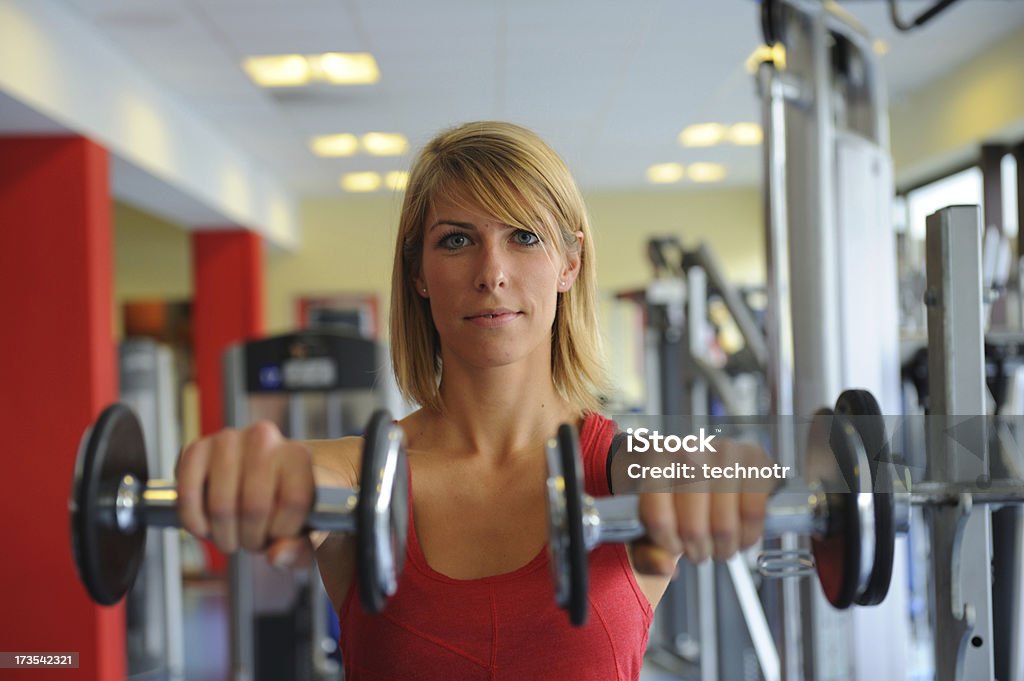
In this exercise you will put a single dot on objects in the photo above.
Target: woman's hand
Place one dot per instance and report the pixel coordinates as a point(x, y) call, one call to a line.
point(715, 520)
point(249, 489)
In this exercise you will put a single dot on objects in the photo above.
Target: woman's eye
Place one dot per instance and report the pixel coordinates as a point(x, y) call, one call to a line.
point(454, 240)
point(524, 238)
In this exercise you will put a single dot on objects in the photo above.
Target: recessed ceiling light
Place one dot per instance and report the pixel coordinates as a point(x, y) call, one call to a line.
point(665, 173)
point(396, 180)
point(745, 134)
point(385, 143)
point(281, 70)
point(706, 172)
point(360, 182)
point(880, 47)
point(354, 68)
point(702, 135)
point(343, 144)
point(289, 70)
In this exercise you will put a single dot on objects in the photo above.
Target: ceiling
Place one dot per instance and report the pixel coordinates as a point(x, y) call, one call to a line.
point(608, 83)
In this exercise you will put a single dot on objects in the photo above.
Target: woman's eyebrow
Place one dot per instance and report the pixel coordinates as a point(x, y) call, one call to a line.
point(453, 223)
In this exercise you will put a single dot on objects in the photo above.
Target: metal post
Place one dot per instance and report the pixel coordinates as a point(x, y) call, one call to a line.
point(779, 336)
point(961, 539)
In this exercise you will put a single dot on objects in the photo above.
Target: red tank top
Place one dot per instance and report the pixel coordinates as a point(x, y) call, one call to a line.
point(506, 627)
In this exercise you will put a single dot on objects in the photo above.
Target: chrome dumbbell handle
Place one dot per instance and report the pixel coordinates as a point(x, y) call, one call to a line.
point(156, 505)
point(617, 519)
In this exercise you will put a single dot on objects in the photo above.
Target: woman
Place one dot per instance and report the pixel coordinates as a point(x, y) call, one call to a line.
point(494, 334)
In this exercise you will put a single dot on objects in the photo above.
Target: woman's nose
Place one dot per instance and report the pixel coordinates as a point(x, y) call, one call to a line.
point(492, 274)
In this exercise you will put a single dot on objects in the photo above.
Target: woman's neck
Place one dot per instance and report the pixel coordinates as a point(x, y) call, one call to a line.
point(499, 410)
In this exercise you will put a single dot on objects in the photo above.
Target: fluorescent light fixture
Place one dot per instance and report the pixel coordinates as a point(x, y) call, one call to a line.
point(289, 70)
point(762, 53)
point(282, 70)
point(664, 173)
point(745, 134)
point(343, 144)
point(360, 182)
point(706, 172)
point(353, 68)
point(385, 143)
point(396, 180)
point(702, 135)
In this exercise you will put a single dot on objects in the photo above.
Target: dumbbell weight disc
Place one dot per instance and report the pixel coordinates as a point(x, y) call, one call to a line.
point(866, 417)
point(837, 463)
point(566, 548)
point(381, 525)
point(107, 559)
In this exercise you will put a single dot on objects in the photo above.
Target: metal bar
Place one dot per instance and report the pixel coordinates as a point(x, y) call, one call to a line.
point(961, 541)
point(757, 624)
point(332, 511)
point(779, 330)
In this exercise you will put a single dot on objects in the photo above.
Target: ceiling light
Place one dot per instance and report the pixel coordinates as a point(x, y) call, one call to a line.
point(745, 134)
point(702, 135)
point(706, 172)
point(664, 173)
point(282, 70)
point(775, 54)
point(343, 144)
point(360, 182)
point(385, 143)
point(396, 180)
point(339, 68)
point(880, 47)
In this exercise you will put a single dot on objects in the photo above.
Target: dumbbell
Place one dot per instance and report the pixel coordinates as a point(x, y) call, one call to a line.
point(850, 524)
point(852, 510)
point(113, 502)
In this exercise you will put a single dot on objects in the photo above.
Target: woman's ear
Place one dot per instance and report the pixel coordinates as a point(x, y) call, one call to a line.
point(421, 287)
point(571, 268)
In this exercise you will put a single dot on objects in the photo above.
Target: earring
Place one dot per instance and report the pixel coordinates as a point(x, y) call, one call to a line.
point(424, 290)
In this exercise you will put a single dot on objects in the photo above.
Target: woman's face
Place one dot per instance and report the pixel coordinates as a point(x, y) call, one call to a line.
point(493, 288)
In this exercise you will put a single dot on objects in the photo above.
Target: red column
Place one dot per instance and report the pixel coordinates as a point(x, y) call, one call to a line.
point(57, 371)
point(227, 308)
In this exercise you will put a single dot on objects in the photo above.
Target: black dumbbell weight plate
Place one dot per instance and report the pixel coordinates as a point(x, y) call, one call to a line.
point(566, 547)
point(107, 559)
point(834, 459)
point(866, 417)
point(381, 526)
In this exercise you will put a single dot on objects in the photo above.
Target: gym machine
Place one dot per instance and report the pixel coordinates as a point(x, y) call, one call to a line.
point(154, 606)
point(315, 384)
point(828, 190)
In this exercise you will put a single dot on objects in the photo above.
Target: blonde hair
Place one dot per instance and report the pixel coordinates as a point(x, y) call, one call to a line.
point(512, 174)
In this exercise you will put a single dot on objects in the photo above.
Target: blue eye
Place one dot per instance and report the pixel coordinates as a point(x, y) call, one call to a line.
point(453, 241)
point(524, 238)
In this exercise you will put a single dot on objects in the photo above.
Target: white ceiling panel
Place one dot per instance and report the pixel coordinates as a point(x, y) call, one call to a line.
point(610, 84)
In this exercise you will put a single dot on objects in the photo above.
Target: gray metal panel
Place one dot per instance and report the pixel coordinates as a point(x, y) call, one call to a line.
point(962, 586)
point(156, 634)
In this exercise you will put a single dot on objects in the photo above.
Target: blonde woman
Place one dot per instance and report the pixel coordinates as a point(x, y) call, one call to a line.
point(494, 334)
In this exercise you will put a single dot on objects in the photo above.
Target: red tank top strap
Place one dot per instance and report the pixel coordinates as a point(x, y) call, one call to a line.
point(596, 437)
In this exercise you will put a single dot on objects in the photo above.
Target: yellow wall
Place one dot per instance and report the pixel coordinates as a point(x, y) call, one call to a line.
point(943, 124)
point(152, 259)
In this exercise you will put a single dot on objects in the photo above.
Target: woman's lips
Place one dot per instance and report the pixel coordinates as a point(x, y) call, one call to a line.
point(493, 320)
